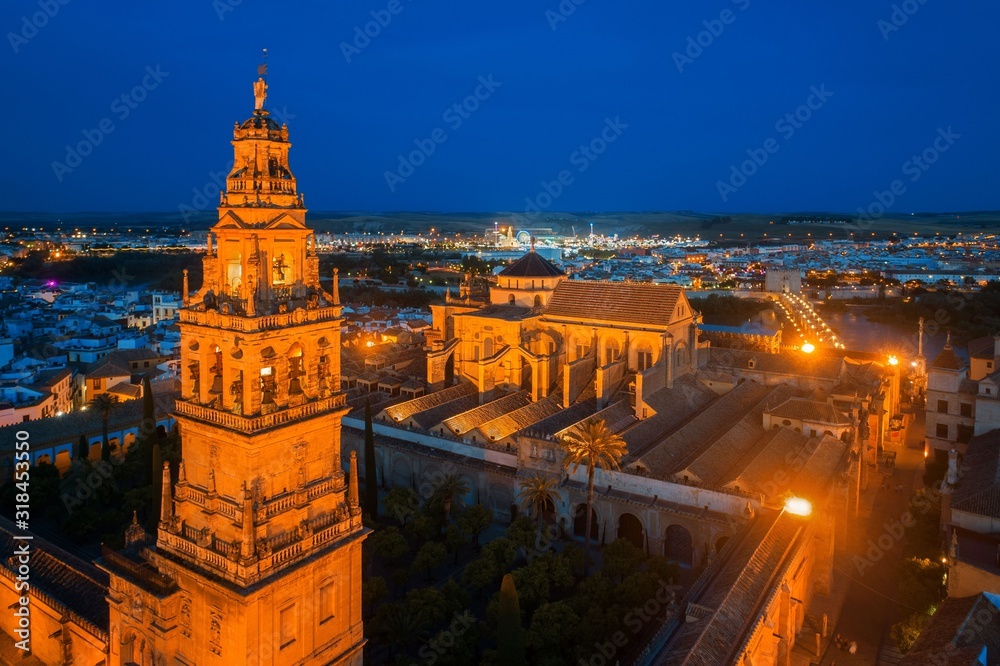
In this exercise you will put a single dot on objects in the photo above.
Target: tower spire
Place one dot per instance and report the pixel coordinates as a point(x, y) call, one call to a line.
point(260, 87)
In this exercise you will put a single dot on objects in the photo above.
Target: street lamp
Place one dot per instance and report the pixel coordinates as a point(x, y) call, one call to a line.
point(808, 348)
point(798, 506)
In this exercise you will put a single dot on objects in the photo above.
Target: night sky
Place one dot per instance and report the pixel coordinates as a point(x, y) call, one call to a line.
point(886, 89)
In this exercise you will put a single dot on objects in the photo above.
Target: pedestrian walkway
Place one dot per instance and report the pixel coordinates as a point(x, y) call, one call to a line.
point(869, 606)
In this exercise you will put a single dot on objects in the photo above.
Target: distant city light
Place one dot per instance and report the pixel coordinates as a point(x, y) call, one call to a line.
point(798, 506)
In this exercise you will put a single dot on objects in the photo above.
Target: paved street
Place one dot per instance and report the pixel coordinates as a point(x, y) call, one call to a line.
point(870, 608)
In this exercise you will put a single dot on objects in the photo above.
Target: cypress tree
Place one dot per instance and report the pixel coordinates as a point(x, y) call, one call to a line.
point(510, 633)
point(371, 476)
point(148, 408)
point(147, 428)
point(83, 449)
point(157, 487)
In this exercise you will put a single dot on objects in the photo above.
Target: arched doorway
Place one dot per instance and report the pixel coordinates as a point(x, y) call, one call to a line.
point(720, 543)
point(630, 527)
point(402, 474)
point(449, 370)
point(678, 545)
point(580, 522)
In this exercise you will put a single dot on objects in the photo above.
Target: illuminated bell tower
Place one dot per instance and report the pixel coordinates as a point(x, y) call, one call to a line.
point(258, 552)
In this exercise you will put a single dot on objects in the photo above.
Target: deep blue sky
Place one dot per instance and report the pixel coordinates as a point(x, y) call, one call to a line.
point(608, 59)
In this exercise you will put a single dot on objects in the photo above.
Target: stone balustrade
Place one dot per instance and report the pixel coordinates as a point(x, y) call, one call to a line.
point(251, 424)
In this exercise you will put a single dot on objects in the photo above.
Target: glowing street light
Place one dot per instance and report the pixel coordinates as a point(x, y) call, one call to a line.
point(893, 360)
point(808, 347)
point(798, 506)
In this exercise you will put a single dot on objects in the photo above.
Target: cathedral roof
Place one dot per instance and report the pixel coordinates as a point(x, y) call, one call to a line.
point(532, 265)
point(609, 301)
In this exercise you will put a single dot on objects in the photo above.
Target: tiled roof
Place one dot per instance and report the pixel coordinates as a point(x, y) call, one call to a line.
point(711, 464)
point(810, 410)
point(430, 418)
point(673, 406)
point(948, 360)
point(564, 418)
point(737, 594)
point(617, 417)
point(69, 427)
point(404, 410)
point(463, 423)
point(78, 585)
point(107, 367)
point(755, 472)
point(784, 363)
point(532, 265)
point(958, 632)
point(126, 390)
point(824, 464)
point(511, 422)
point(978, 489)
point(978, 550)
point(632, 303)
point(506, 312)
point(982, 347)
point(669, 454)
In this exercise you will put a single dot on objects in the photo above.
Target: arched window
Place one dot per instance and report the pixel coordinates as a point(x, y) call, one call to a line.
point(510, 299)
point(296, 369)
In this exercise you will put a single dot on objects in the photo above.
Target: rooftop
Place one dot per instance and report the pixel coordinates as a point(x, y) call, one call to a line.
point(532, 264)
point(628, 302)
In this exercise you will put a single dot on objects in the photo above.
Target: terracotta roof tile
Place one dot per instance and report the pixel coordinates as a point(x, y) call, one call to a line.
point(810, 410)
point(948, 360)
point(978, 489)
point(466, 421)
point(631, 303)
point(78, 585)
point(404, 410)
point(958, 633)
point(508, 424)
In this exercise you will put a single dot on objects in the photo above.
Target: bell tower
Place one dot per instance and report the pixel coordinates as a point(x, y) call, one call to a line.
point(257, 557)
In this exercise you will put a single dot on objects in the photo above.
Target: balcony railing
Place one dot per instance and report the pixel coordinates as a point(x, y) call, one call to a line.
point(250, 424)
point(244, 324)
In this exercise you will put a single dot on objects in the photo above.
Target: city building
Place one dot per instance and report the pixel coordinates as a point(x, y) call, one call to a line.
point(257, 555)
point(963, 397)
point(718, 440)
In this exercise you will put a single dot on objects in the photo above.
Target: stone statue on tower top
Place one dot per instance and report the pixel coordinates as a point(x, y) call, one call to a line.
point(259, 93)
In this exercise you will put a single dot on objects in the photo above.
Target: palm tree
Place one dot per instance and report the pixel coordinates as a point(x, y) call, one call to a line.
point(537, 492)
point(105, 404)
point(592, 444)
point(452, 488)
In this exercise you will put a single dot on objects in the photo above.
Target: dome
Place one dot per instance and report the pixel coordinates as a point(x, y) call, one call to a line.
point(260, 120)
point(532, 265)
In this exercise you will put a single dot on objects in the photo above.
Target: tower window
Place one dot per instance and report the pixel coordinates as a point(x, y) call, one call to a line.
point(286, 626)
point(326, 602)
